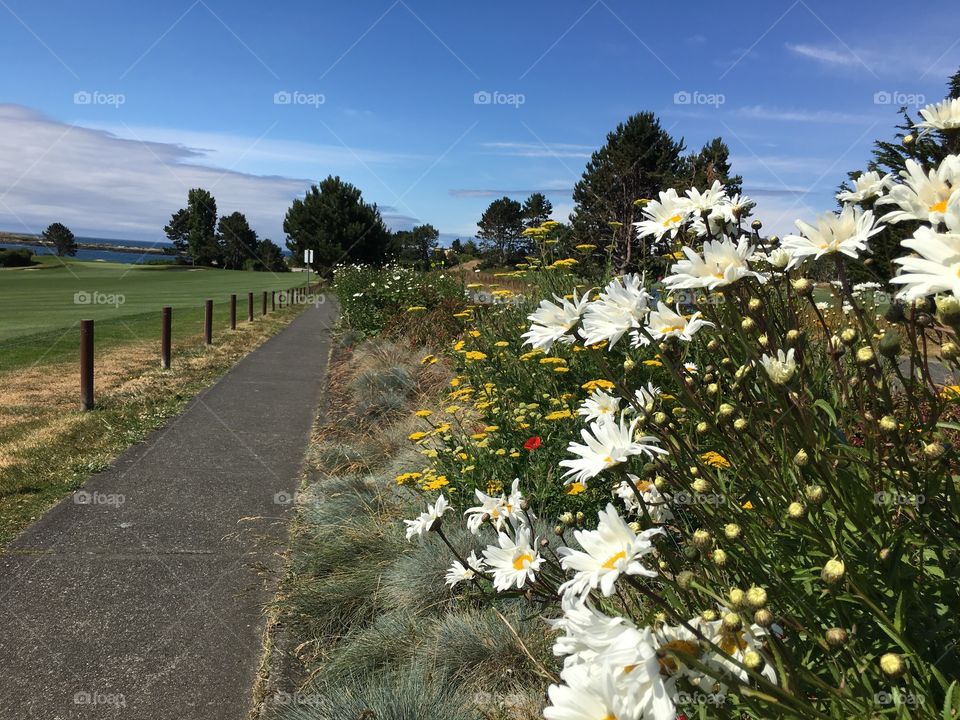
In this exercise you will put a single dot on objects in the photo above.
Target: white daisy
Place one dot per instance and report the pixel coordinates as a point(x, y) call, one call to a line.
point(553, 322)
point(722, 263)
point(422, 525)
point(459, 572)
point(605, 445)
point(497, 509)
point(845, 232)
point(734, 644)
point(923, 196)
point(780, 368)
point(646, 396)
point(665, 323)
point(936, 266)
point(867, 185)
point(514, 563)
point(613, 548)
point(944, 115)
point(620, 307)
point(664, 216)
point(599, 405)
point(654, 500)
point(707, 201)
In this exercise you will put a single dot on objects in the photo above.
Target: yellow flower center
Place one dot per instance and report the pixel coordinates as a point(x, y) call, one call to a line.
point(672, 220)
point(521, 561)
point(940, 207)
point(608, 461)
point(731, 642)
point(673, 328)
point(685, 647)
point(613, 560)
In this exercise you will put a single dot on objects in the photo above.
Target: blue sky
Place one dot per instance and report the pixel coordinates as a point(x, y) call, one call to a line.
point(109, 111)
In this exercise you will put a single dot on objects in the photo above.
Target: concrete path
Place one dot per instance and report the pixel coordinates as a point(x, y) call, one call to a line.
point(139, 598)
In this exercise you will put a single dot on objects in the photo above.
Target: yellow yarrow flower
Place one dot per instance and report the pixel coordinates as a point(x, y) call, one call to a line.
point(423, 413)
point(428, 360)
point(408, 477)
point(576, 488)
point(416, 309)
point(475, 355)
point(415, 436)
point(715, 460)
point(558, 415)
point(598, 385)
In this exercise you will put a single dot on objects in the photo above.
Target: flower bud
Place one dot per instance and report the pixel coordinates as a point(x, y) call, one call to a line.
point(848, 336)
point(685, 579)
point(567, 518)
point(948, 309)
point(834, 346)
point(802, 286)
point(754, 305)
point(756, 225)
point(895, 312)
point(713, 345)
point(703, 427)
point(736, 596)
point(700, 485)
point(558, 530)
point(801, 459)
point(836, 637)
point(629, 365)
point(889, 345)
point(763, 341)
point(708, 615)
point(702, 538)
point(949, 351)
point(815, 494)
point(888, 423)
point(796, 511)
point(713, 389)
point(660, 482)
point(731, 531)
point(731, 621)
point(748, 324)
point(660, 418)
point(908, 139)
point(934, 450)
point(833, 572)
point(726, 410)
point(756, 597)
point(752, 659)
point(865, 355)
point(763, 617)
point(892, 664)
point(793, 337)
point(580, 518)
point(740, 424)
point(719, 557)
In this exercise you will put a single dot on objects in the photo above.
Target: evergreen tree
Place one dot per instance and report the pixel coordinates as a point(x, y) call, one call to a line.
point(202, 236)
point(270, 257)
point(501, 230)
point(417, 245)
point(238, 241)
point(711, 163)
point(638, 160)
point(178, 231)
point(536, 210)
point(61, 237)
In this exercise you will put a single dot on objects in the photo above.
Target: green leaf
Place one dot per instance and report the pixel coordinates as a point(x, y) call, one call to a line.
point(825, 406)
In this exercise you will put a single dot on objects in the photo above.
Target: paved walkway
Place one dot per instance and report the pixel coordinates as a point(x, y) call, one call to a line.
point(144, 602)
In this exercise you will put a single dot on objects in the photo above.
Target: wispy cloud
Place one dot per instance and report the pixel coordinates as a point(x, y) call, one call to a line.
point(763, 112)
point(519, 149)
point(931, 60)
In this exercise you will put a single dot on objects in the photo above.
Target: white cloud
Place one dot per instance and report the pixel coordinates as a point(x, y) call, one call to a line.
point(517, 149)
point(106, 183)
point(931, 61)
point(763, 112)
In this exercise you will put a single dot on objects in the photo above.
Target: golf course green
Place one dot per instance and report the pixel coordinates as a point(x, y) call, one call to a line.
point(42, 305)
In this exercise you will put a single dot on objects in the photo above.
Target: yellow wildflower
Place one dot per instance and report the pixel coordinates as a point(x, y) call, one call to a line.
point(576, 488)
point(715, 460)
point(598, 385)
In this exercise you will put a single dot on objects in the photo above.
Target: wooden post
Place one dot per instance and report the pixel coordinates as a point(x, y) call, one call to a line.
point(86, 364)
point(208, 323)
point(250, 307)
point(263, 307)
point(233, 312)
point(166, 316)
point(273, 300)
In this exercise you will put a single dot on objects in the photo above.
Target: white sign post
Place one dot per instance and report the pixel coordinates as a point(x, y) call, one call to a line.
point(307, 259)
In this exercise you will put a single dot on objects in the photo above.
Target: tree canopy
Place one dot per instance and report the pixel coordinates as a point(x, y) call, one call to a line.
point(61, 237)
point(501, 230)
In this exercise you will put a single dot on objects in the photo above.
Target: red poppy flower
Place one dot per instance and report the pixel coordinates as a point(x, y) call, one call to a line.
point(532, 443)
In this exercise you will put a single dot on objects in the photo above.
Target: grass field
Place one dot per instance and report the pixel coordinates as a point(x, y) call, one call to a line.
point(42, 305)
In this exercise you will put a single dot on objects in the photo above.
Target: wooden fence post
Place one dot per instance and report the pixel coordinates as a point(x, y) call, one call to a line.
point(166, 317)
point(86, 364)
point(208, 323)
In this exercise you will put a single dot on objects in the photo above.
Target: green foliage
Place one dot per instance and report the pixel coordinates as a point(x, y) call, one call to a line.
point(237, 240)
point(202, 236)
point(62, 239)
point(710, 164)
point(16, 257)
point(336, 223)
point(418, 246)
point(178, 231)
point(536, 210)
point(370, 296)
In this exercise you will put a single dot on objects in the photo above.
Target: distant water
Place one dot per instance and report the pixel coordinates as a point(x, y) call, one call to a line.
point(105, 255)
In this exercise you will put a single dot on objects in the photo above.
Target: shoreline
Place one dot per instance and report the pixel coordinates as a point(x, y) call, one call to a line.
point(34, 241)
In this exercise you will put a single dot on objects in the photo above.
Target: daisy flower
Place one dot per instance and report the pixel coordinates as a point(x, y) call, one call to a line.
point(734, 644)
point(923, 196)
point(708, 200)
point(646, 396)
point(620, 307)
point(665, 323)
point(613, 548)
point(867, 185)
point(513, 563)
point(605, 445)
point(552, 322)
point(599, 405)
point(664, 216)
point(780, 368)
point(654, 500)
point(497, 509)
point(936, 266)
point(459, 572)
point(422, 525)
point(846, 232)
point(722, 263)
point(944, 115)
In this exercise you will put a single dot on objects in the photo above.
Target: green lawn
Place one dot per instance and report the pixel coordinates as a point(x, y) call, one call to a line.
point(41, 306)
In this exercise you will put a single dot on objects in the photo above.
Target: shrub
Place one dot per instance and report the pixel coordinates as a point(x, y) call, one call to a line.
point(16, 257)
